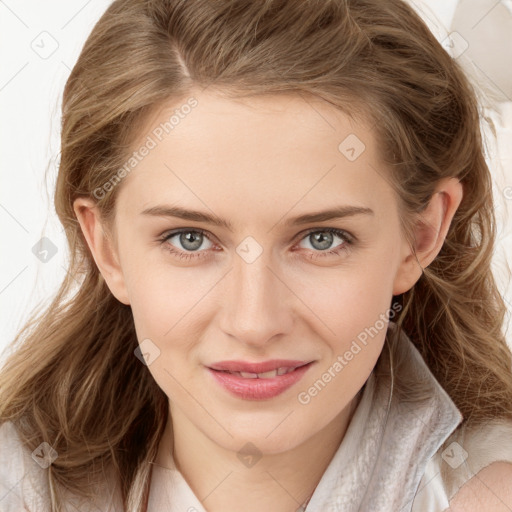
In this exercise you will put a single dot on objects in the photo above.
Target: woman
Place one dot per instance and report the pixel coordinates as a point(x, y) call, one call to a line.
point(282, 220)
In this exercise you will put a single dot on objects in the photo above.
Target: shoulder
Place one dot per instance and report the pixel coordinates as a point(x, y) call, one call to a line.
point(471, 471)
point(23, 484)
point(490, 490)
point(24, 479)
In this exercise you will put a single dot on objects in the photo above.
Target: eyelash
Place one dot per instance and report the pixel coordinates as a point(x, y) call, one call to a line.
point(347, 238)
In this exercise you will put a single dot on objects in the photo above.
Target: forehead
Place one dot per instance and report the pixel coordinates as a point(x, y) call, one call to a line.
point(250, 153)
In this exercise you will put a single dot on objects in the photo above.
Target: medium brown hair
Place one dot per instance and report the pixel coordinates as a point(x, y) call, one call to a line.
point(74, 381)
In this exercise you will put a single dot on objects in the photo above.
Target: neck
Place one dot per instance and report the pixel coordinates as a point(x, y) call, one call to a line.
point(276, 482)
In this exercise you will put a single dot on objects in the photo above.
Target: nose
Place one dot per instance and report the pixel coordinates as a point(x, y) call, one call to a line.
point(257, 304)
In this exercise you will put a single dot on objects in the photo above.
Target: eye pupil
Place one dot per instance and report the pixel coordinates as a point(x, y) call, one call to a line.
point(325, 238)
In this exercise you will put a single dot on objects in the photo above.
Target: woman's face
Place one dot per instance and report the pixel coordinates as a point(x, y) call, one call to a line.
point(262, 271)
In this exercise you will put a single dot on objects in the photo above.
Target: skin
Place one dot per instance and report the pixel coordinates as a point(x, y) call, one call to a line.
point(258, 163)
point(490, 490)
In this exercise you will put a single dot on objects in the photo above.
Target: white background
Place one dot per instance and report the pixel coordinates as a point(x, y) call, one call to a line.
point(31, 85)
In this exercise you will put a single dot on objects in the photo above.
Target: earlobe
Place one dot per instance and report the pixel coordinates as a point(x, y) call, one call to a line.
point(429, 234)
point(101, 247)
point(408, 273)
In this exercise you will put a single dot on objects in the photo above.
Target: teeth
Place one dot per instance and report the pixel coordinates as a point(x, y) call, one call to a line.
point(264, 375)
point(247, 375)
point(267, 375)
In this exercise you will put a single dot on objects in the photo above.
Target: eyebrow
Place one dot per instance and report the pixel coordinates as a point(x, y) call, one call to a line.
point(198, 216)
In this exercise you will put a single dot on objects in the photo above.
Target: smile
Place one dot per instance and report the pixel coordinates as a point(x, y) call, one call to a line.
point(259, 386)
point(265, 375)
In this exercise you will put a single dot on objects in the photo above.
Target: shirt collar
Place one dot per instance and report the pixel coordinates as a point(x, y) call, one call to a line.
point(402, 419)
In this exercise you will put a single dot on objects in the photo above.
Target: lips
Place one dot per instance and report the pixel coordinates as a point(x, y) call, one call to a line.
point(258, 385)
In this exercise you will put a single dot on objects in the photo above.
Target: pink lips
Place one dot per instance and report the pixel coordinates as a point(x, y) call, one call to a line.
point(257, 388)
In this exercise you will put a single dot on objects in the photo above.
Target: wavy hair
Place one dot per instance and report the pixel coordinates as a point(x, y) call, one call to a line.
point(73, 380)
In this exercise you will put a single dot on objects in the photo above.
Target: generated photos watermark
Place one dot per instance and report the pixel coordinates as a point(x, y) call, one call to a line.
point(304, 397)
point(151, 142)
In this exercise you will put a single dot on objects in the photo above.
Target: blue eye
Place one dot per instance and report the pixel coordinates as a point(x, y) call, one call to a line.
point(323, 243)
point(192, 239)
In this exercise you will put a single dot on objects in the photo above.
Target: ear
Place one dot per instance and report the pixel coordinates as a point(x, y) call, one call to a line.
point(430, 233)
point(101, 246)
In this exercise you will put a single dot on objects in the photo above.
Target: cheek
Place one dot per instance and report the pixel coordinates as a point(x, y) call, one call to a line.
point(357, 312)
point(166, 301)
point(165, 307)
point(350, 297)
point(154, 289)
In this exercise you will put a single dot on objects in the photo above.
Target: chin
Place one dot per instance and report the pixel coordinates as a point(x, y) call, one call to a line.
point(261, 443)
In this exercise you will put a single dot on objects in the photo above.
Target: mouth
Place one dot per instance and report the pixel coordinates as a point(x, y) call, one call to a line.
point(259, 368)
point(283, 370)
point(259, 385)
